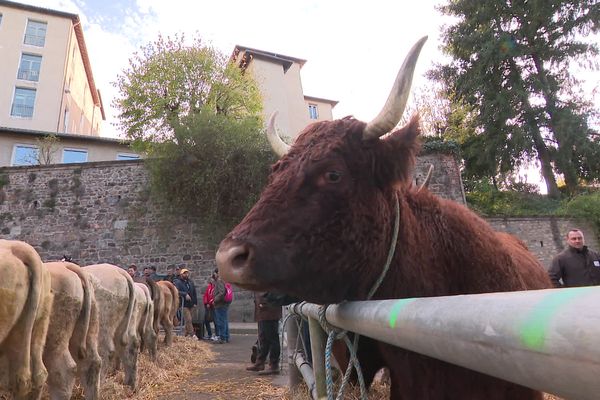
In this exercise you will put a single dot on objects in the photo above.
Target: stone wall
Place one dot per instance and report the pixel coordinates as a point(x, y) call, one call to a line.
point(545, 236)
point(104, 212)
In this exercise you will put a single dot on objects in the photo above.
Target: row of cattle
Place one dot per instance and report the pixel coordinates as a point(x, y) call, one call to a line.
point(60, 321)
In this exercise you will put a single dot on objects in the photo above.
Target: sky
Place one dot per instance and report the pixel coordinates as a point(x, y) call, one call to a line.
point(353, 48)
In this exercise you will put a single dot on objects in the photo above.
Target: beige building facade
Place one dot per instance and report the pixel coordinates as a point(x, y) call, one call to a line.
point(26, 147)
point(47, 83)
point(278, 78)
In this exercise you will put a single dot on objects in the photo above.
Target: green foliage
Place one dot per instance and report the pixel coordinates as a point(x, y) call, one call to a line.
point(4, 180)
point(584, 206)
point(488, 201)
point(215, 170)
point(433, 144)
point(510, 65)
point(168, 80)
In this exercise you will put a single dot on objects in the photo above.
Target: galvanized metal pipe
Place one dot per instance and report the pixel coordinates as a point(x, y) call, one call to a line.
point(294, 376)
point(307, 373)
point(548, 340)
point(318, 341)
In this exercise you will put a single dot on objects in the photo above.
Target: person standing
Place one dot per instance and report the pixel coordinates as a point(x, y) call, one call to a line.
point(187, 293)
point(267, 316)
point(577, 265)
point(221, 308)
point(209, 311)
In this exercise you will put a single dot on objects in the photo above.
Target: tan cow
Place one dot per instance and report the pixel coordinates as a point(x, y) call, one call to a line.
point(144, 316)
point(170, 296)
point(117, 340)
point(72, 339)
point(25, 303)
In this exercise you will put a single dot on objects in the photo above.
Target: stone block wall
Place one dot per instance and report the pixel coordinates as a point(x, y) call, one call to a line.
point(545, 236)
point(104, 212)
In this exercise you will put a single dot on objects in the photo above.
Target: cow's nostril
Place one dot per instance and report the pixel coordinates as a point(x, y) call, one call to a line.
point(234, 257)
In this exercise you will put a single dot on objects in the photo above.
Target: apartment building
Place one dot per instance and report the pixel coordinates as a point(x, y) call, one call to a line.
point(280, 84)
point(47, 88)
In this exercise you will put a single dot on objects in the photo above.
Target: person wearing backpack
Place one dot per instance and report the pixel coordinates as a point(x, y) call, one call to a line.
point(223, 295)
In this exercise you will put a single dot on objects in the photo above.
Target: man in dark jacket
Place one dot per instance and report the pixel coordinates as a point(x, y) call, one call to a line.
point(576, 265)
point(267, 317)
point(187, 293)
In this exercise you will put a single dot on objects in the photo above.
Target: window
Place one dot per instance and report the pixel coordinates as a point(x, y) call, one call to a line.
point(25, 154)
point(35, 34)
point(125, 156)
point(0, 18)
point(74, 156)
point(23, 103)
point(312, 111)
point(29, 69)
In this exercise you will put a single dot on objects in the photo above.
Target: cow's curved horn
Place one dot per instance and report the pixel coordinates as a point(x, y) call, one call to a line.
point(279, 146)
point(393, 109)
point(425, 183)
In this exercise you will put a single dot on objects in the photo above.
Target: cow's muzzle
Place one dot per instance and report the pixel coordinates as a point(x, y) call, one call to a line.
point(235, 263)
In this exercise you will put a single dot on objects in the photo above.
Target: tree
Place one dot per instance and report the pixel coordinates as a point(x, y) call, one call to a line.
point(47, 147)
point(168, 80)
point(198, 119)
point(511, 64)
point(215, 170)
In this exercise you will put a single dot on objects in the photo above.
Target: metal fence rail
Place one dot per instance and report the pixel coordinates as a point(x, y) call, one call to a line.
point(548, 340)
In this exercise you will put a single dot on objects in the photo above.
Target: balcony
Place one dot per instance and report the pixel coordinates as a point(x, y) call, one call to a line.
point(21, 110)
point(28, 75)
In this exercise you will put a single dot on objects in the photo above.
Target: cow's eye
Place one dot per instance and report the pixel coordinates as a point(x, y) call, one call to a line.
point(333, 176)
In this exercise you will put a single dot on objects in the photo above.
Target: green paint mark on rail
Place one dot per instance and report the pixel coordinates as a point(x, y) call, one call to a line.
point(533, 331)
point(396, 308)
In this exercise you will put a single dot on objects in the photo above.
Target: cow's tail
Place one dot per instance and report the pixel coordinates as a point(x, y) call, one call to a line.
point(29, 256)
point(129, 312)
point(156, 294)
point(83, 322)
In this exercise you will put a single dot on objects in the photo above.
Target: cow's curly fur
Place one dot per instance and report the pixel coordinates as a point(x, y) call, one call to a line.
point(321, 231)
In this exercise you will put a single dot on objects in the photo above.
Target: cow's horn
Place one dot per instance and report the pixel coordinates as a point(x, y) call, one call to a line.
point(425, 183)
point(394, 106)
point(279, 146)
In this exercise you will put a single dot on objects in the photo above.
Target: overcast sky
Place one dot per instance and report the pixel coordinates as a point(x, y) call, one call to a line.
point(353, 48)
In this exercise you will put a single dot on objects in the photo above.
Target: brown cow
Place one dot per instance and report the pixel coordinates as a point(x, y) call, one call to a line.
point(118, 341)
point(72, 340)
point(328, 213)
point(170, 303)
point(25, 304)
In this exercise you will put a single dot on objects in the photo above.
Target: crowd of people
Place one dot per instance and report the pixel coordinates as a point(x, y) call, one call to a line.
point(215, 301)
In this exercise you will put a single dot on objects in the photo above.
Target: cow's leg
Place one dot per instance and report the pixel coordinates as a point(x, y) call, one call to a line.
point(90, 366)
point(130, 358)
point(89, 374)
point(39, 373)
point(62, 372)
point(167, 324)
point(18, 353)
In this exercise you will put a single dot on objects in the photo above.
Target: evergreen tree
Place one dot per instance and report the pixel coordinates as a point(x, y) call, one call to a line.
point(510, 62)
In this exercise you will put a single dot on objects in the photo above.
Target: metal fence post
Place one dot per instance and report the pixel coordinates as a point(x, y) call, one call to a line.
point(294, 377)
point(318, 341)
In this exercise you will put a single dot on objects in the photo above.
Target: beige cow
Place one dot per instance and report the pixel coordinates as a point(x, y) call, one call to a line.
point(117, 339)
point(144, 316)
point(72, 340)
point(170, 303)
point(25, 303)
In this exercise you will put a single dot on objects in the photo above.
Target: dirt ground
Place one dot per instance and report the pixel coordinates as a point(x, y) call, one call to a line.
point(227, 377)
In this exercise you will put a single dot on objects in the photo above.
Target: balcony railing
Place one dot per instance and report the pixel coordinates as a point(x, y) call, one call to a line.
point(35, 40)
point(28, 75)
point(21, 110)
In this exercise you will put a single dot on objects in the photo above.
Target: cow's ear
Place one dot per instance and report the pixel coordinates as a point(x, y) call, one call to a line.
point(401, 148)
